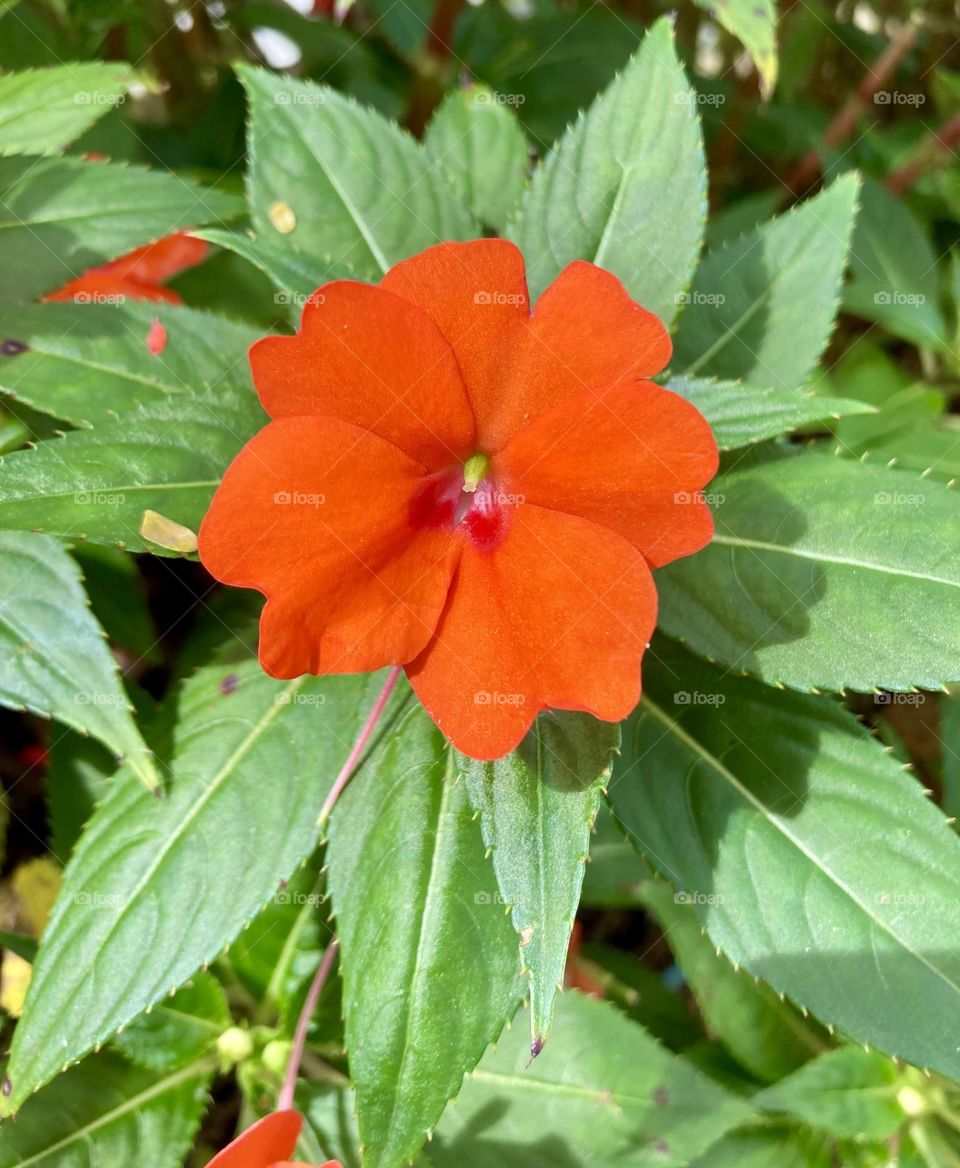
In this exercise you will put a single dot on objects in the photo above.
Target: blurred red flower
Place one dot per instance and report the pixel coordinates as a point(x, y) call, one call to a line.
point(268, 1143)
point(477, 492)
point(138, 275)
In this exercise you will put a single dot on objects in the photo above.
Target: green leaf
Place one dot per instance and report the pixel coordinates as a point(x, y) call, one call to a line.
point(53, 657)
point(767, 1036)
point(625, 187)
point(119, 601)
point(812, 860)
point(429, 960)
point(754, 22)
point(177, 878)
point(477, 139)
point(60, 216)
point(330, 1130)
point(96, 484)
point(88, 364)
point(602, 1092)
point(769, 1148)
point(283, 944)
point(180, 1030)
point(849, 1092)
point(537, 806)
point(896, 280)
point(79, 771)
point(742, 414)
point(762, 307)
point(111, 1114)
point(824, 573)
point(25, 947)
point(361, 191)
point(43, 110)
point(294, 274)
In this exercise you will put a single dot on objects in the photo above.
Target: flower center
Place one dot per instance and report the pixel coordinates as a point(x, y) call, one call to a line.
point(462, 499)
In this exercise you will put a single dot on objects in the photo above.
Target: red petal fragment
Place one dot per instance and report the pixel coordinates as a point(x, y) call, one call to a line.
point(557, 616)
point(315, 514)
point(157, 337)
point(268, 1141)
point(369, 357)
point(633, 459)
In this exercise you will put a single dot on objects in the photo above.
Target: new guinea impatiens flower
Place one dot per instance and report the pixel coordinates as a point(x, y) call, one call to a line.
point(268, 1143)
point(477, 492)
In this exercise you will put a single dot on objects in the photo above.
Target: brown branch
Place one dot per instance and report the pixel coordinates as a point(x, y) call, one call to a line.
point(930, 154)
point(845, 121)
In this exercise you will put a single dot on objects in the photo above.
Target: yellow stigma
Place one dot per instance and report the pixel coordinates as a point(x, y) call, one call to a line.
point(474, 471)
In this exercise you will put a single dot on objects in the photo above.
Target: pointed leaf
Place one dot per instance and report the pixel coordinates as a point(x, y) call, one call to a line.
point(60, 216)
point(109, 1113)
point(602, 1092)
point(625, 187)
point(44, 110)
point(177, 878)
point(537, 806)
point(429, 960)
point(753, 22)
point(341, 182)
point(824, 573)
point(742, 414)
point(54, 660)
point(477, 139)
point(810, 857)
point(88, 364)
point(762, 307)
point(97, 484)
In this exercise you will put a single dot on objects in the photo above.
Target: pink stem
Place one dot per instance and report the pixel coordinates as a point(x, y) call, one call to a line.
point(285, 1098)
point(363, 738)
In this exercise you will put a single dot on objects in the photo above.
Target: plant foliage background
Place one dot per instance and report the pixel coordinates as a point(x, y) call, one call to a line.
point(762, 956)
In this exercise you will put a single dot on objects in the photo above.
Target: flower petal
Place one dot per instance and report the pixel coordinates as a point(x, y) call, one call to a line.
point(585, 332)
point(476, 294)
point(161, 260)
point(633, 459)
point(269, 1140)
point(557, 616)
point(314, 513)
point(103, 288)
point(371, 358)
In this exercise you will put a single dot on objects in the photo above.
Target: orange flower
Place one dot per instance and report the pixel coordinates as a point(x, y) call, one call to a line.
point(139, 274)
point(269, 1143)
point(478, 493)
